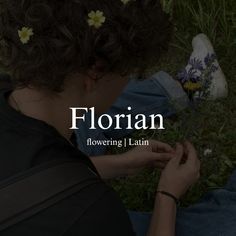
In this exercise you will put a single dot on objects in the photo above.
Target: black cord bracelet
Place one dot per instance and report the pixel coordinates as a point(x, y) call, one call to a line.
point(171, 196)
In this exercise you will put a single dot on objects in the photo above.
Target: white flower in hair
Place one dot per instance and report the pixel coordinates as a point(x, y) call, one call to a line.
point(25, 34)
point(96, 19)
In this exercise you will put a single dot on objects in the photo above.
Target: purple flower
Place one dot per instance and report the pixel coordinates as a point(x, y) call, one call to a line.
point(196, 63)
point(210, 58)
point(182, 76)
point(190, 75)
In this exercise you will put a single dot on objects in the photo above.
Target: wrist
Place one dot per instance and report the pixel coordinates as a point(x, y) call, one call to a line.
point(168, 196)
point(168, 187)
point(164, 202)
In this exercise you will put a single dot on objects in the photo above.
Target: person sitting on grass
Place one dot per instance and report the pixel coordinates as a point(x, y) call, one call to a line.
point(77, 53)
point(63, 54)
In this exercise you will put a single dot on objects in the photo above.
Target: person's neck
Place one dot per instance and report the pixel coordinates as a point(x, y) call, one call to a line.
point(54, 109)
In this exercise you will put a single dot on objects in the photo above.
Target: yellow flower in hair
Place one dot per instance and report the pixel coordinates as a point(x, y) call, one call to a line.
point(191, 86)
point(25, 33)
point(125, 1)
point(96, 19)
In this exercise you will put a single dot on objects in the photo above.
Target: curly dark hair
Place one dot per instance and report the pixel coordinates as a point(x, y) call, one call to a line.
point(133, 36)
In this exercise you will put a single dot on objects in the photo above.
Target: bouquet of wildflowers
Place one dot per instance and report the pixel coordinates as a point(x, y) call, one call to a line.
point(196, 78)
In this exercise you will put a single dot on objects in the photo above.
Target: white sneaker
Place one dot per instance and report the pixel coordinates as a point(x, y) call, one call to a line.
point(203, 75)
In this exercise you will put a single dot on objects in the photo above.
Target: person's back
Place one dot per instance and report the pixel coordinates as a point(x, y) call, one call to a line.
point(27, 142)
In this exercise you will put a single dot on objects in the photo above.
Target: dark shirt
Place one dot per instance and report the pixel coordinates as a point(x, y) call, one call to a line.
point(26, 142)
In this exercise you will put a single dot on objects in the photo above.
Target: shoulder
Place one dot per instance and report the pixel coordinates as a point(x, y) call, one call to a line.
point(58, 149)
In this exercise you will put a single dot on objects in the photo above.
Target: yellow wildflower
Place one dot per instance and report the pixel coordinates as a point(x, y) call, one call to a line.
point(191, 86)
point(25, 33)
point(96, 19)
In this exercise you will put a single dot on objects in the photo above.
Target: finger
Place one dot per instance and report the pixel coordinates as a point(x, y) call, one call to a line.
point(191, 154)
point(156, 164)
point(160, 146)
point(162, 157)
point(179, 152)
point(190, 151)
point(160, 165)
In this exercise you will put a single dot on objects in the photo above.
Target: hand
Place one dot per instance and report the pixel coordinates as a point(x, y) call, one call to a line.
point(176, 178)
point(156, 154)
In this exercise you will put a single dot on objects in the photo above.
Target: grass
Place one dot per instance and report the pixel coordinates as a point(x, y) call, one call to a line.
point(213, 124)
